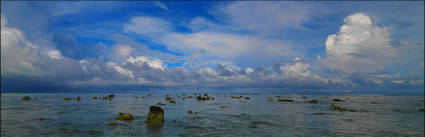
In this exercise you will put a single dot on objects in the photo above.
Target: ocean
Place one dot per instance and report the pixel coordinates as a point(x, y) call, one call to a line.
point(258, 116)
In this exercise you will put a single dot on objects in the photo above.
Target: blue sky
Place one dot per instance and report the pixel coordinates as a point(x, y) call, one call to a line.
point(139, 45)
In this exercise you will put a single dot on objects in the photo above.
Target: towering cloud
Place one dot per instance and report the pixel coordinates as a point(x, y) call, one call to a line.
point(359, 46)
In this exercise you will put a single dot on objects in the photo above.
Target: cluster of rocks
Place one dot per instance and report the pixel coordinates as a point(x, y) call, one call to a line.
point(205, 97)
point(170, 100)
point(68, 98)
point(237, 97)
point(286, 100)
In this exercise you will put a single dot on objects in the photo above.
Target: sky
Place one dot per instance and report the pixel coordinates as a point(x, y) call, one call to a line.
point(291, 46)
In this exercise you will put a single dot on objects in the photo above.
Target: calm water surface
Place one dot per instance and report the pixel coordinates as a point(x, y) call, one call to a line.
point(390, 116)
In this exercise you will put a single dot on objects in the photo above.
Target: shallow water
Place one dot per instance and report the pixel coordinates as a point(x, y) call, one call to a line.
point(224, 116)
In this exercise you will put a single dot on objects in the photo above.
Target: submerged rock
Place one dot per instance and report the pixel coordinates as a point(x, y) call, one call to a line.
point(111, 96)
point(342, 108)
point(373, 103)
point(123, 116)
point(155, 115)
point(189, 112)
point(304, 97)
point(94, 97)
point(78, 98)
point(422, 110)
point(113, 124)
point(26, 98)
point(247, 98)
point(338, 107)
point(105, 98)
point(42, 118)
point(172, 101)
point(67, 99)
point(313, 101)
point(286, 100)
point(168, 98)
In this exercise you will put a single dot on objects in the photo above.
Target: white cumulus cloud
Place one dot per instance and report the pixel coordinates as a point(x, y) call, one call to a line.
point(359, 46)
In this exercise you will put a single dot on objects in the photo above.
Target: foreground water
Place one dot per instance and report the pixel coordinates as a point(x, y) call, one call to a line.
point(224, 116)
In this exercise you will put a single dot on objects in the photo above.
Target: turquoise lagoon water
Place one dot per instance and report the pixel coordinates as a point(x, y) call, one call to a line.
point(222, 117)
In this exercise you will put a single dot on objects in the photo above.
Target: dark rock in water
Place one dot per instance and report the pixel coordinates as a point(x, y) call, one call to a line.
point(172, 101)
point(199, 98)
point(422, 110)
point(42, 118)
point(314, 101)
point(155, 115)
point(212, 98)
point(304, 97)
point(161, 104)
point(78, 98)
point(149, 94)
point(168, 98)
point(247, 98)
point(113, 124)
point(26, 98)
point(338, 100)
point(123, 116)
point(396, 110)
point(111, 96)
point(190, 112)
point(94, 97)
point(105, 98)
point(373, 103)
point(286, 100)
point(205, 94)
point(67, 99)
point(237, 97)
